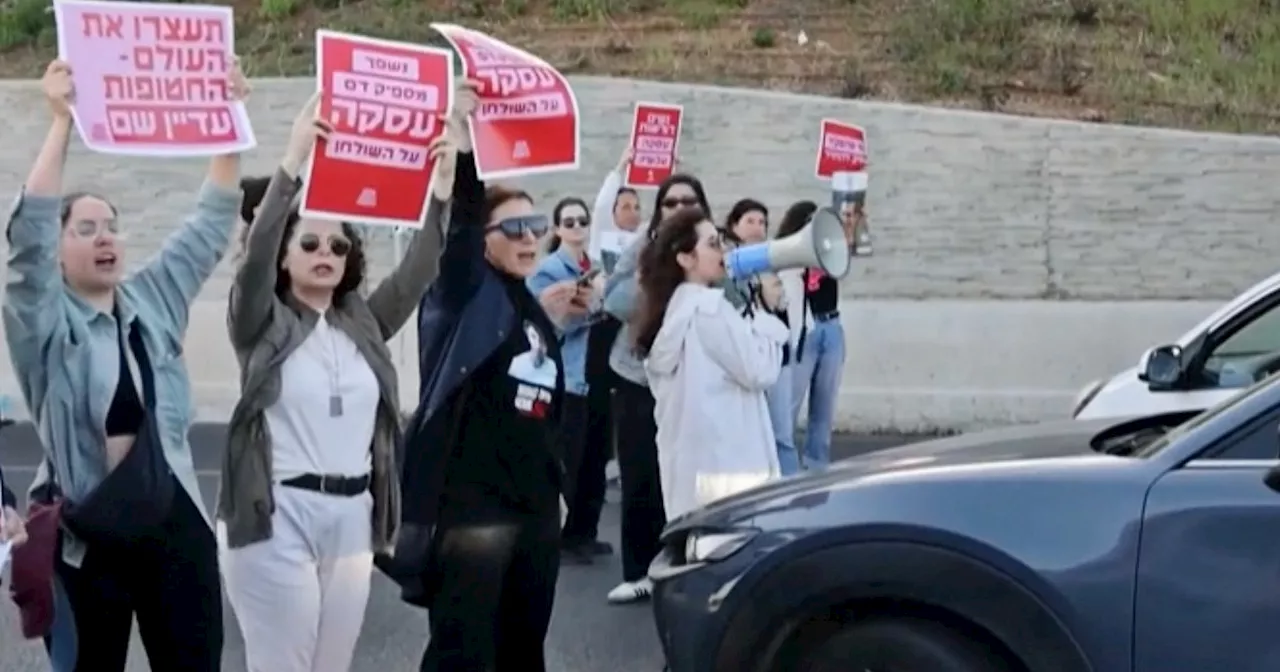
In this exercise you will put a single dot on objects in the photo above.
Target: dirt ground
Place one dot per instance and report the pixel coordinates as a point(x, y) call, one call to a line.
point(1198, 64)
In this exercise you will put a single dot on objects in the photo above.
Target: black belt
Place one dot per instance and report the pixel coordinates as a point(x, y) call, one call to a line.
point(827, 316)
point(345, 486)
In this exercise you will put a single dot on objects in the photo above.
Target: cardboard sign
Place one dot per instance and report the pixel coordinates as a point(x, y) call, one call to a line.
point(841, 148)
point(387, 102)
point(526, 120)
point(655, 133)
point(151, 79)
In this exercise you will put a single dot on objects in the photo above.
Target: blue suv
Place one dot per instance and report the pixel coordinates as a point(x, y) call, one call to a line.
point(1142, 545)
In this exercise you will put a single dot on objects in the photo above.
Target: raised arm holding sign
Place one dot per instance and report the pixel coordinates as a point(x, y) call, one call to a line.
point(150, 79)
point(527, 121)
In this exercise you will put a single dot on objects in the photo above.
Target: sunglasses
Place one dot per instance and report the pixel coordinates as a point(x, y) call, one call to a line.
point(686, 202)
point(310, 242)
point(574, 222)
point(515, 228)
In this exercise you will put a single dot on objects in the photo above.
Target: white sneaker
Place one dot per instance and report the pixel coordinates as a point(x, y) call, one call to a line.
point(631, 591)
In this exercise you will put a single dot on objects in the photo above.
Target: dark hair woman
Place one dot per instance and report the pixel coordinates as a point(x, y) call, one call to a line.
point(585, 462)
point(708, 366)
point(310, 458)
point(813, 313)
point(748, 223)
point(642, 515)
point(98, 356)
point(479, 545)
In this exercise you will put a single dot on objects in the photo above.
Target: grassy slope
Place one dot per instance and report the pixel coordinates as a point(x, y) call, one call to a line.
point(1209, 64)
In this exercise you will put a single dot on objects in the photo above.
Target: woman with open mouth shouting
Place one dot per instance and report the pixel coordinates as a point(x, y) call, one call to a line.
point(480, 543)
point(98, 356)
point(309, 487)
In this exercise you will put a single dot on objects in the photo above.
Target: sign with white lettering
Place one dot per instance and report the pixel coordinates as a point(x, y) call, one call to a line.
point(842, 148)
point(387, 102)
point(526, 119)
point(151, 79)
point(655, 133)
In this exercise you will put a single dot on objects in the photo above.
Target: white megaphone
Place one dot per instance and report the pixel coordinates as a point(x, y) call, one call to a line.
point(820, 244)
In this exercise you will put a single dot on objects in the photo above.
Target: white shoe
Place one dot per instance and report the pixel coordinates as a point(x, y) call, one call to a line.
point(631, 591)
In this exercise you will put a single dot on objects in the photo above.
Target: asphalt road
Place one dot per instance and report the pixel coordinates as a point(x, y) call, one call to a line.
point(587, 635)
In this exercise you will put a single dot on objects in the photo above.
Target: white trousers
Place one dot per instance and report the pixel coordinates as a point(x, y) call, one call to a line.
point(300, 596)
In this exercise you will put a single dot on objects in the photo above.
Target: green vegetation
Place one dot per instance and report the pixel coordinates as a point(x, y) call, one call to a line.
point(1210, 64)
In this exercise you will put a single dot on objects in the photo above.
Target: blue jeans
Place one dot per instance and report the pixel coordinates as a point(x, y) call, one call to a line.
point(782, 417)
point(817, 374)
point(61, 642)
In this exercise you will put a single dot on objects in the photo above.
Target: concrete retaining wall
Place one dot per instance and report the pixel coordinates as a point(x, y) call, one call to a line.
point(1016, 259)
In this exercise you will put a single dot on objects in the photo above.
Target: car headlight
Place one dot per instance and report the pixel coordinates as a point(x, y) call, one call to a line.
point(1086, 395)
point(715, 546)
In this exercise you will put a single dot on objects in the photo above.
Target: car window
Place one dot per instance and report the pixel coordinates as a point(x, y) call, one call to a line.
point(1232, 362)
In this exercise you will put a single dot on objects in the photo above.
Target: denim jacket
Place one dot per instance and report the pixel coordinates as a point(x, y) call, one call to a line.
point(65, 352)
point(558, 267)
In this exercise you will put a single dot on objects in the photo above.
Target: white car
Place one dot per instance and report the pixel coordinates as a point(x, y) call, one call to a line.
point(1234, 347)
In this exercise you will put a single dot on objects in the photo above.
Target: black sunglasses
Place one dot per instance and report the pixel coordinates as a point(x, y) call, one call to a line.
point(686, 202)
point(572, 222)
point(310, 242)
point(515, 228)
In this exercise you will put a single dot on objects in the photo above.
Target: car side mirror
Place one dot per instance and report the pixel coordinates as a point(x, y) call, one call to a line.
point(1162, 366)
point(1272, 478)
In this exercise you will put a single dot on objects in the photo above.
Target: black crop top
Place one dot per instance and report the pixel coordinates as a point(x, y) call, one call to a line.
point(126, 413)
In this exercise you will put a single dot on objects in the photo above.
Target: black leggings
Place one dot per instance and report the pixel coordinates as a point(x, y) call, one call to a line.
point(643, 516)
point(587, 439)
point(170, 583)
point(495, 579)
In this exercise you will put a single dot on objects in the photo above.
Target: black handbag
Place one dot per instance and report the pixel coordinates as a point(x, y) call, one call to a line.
point(135, 499)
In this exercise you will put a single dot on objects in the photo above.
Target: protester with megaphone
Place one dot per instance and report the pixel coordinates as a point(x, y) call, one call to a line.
point(642, 514)
point(813, 314)
point(708, 366)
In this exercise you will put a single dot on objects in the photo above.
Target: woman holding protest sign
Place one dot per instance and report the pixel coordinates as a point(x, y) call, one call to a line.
point(480, 537)
point(98, 356)
point(584, 462)
point(642, 514)
point(309, 486)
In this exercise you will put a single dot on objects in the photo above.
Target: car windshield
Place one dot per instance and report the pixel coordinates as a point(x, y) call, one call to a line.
point(1160, 444)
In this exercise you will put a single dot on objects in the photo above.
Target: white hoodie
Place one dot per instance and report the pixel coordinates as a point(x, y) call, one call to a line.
point(708, 370)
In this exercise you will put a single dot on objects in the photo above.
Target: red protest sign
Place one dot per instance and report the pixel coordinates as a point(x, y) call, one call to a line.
point(387, 102)
point(151, 79)
point(655, 132)
point(526, 118)
point(841, 147)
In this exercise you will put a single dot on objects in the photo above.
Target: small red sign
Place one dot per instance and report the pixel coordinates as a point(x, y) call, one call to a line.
point(387, 102)
point(841, 147)
point(526, 119)
point(655, 134)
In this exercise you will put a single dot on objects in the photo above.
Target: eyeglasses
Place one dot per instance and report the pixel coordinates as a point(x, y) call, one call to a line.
point(310, 242)
point(515, 228)
point(671, 203)
point(574, 222)
point(90, 228)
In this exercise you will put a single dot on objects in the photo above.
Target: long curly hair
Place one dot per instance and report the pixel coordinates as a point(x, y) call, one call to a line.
point(659, 274)
point(352, 275)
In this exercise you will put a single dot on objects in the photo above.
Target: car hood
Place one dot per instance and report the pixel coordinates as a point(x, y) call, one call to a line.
point(1046, 440)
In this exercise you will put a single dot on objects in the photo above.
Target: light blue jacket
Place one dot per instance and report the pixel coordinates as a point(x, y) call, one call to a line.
point(65, 353)
point(620, 295)
point(558, 267)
